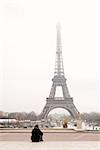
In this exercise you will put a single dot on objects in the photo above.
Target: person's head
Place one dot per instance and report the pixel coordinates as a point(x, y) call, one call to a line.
point(36, 126)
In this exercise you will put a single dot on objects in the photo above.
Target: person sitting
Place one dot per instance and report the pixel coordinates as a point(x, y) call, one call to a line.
point(36, 134)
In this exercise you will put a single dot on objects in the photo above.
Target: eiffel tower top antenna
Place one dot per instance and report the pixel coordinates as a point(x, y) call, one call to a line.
point(59, 69)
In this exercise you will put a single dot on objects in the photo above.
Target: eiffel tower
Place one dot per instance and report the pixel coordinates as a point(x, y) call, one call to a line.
point(65, 102)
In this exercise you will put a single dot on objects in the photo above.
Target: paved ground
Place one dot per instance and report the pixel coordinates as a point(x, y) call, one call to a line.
point(61, 145)
point(53, 140)
point(51, 136)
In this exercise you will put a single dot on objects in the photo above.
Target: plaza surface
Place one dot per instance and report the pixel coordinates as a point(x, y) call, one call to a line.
point(49, 135)
point(53, 140)
point(51, 145)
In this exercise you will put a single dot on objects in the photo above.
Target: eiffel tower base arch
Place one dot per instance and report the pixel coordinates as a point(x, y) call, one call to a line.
point(66, 104)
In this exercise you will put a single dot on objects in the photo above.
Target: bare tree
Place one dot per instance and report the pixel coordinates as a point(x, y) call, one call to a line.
point(92, 117)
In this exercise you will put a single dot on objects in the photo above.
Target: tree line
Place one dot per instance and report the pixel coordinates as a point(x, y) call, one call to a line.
point(23, 116)
point(93, 117)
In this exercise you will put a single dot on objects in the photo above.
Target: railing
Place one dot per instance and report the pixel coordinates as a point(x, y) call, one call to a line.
point(58, 98)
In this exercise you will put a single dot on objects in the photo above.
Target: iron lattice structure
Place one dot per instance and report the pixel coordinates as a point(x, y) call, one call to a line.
point(59, 79)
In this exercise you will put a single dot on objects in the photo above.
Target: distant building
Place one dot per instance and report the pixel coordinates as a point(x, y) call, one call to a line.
point(7, 120)
point(3, 114)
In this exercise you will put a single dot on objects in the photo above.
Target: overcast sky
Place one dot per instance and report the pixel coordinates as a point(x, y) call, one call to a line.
point(28, 48)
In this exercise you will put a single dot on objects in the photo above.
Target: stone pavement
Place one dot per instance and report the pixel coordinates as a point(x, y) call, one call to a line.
point(61, 145)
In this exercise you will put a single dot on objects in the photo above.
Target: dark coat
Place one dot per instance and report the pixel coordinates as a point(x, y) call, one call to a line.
point(36, 135)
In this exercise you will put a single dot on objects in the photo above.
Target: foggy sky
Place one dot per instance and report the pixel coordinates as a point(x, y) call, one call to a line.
point(28, 49)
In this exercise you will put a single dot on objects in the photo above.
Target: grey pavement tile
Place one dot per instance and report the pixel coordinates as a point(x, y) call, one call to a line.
point(61, 145)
